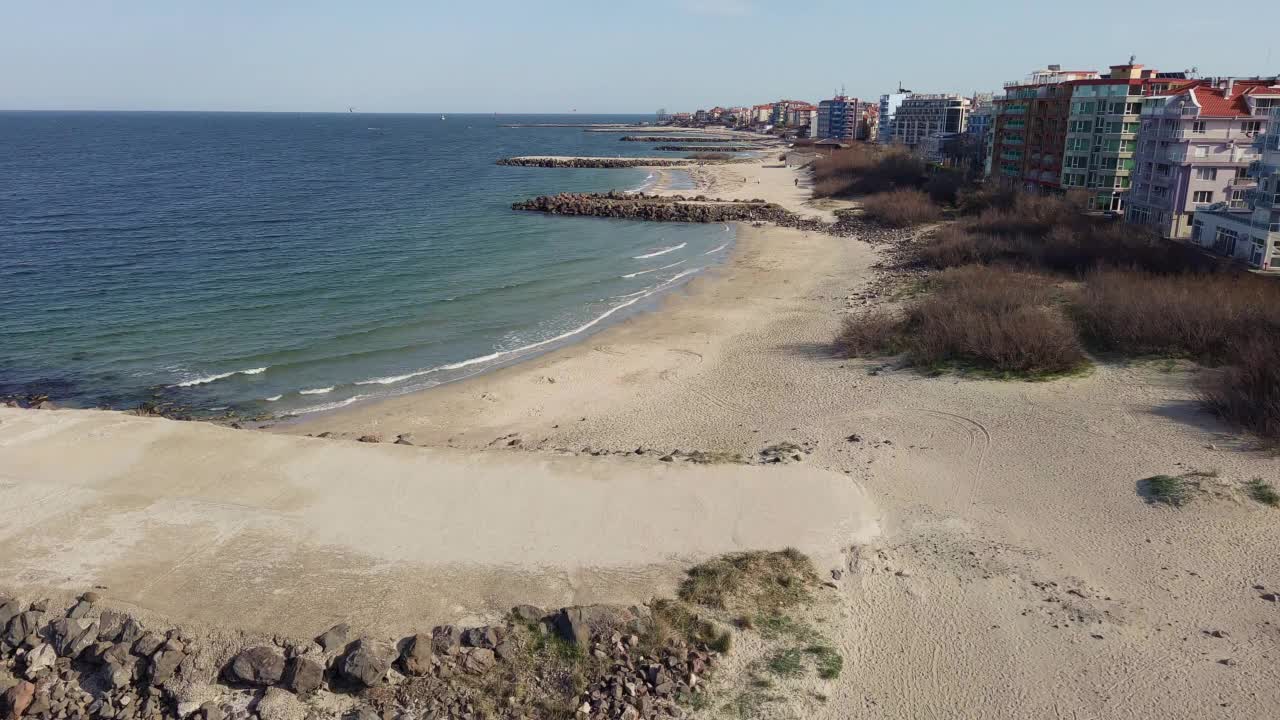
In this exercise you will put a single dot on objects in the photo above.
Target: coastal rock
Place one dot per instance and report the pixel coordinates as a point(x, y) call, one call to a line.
point(528, 613)
point(22, 626)
point(16, 700)
point(71, 637)
point(41, 657)
point(164, 664)
point(417, 655)
point(446, 639)
point(367, 662)
point(260, 666)
point(304, 676)
point(335, 638)
point(369, 439)
point(481, 637)
point(477, 660)
point(405, 439)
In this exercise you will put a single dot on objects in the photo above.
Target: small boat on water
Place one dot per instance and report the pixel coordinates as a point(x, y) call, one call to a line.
point(441, 117)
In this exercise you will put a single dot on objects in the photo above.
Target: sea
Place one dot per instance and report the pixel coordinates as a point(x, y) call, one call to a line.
point(282, 264)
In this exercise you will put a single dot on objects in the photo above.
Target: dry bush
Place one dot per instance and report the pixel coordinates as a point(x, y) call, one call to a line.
point(1201, 315)
point(944, 186)
point(864, 169)
point(901, 208)
point(990, 319)
point(1247, 392)
point(831, 187)
point(990, 196)
point(953, 246)
point(877, 332)
point(994, 319)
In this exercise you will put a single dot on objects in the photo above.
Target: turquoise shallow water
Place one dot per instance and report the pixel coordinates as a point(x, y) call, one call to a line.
point(294, 263)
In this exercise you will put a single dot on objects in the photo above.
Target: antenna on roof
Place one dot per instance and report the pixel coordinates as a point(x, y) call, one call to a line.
point(1133, 59)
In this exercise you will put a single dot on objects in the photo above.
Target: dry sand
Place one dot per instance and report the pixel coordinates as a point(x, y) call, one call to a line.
point(1018, 572)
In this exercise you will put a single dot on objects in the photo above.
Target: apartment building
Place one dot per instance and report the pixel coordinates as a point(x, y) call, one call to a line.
point(846, 118)
point(1102, 132)
point(1254, 235)
point(788, 112)
point(1194, 149)
point(1029, 128)
point(889, 104)
point(919, 116)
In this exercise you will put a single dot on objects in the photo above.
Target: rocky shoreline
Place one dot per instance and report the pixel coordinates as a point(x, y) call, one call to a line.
point(549, 162)
point(85, 661)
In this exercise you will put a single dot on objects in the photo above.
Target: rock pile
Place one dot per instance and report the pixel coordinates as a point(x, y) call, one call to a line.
point(83, 662)
point(656, 208)
point(706, 148)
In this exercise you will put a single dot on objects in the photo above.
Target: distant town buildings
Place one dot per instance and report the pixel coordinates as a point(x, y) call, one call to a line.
point(888, 109)
point(843, 118)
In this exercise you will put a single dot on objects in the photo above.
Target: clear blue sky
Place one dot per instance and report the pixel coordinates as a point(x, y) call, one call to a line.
point(592, 55)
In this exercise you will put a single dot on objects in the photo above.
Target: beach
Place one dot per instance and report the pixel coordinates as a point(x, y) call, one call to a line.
point(985, 544)
point(1019, 572)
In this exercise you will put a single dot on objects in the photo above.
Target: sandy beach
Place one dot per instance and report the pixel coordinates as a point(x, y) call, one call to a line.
point(1019, 573)
point(990, 551)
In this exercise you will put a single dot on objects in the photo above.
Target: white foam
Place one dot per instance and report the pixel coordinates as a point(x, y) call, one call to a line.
point(646, 272)
point(273, 398)
point(327, 406)
point(663, 251)
point(220, 376)
point(317, 391)
point(532, 346)
point(716, 250)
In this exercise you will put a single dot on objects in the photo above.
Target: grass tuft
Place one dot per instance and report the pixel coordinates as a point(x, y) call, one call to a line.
point(752, 581)
point(1166, 489)
point(828, 661)
point(1263, 492)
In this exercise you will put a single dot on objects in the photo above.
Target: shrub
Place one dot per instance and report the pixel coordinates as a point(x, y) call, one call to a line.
point(1203, 315)
point(877, 332)
point(1263, 492)
point(994, 319)
point(1165, 489)
point(1247, 392)
point(987, 318)
point(943, 187)
point(901, 208)
point(864, 169)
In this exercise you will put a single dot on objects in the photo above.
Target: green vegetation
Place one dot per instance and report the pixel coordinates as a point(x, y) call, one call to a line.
point(1166, 489)
point(828, 661)
point(1263, 492)
point(752, 581)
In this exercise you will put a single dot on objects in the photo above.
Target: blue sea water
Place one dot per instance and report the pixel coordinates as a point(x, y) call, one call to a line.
point(292, 263)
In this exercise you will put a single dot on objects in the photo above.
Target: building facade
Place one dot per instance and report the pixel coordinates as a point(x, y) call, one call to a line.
point(889, 104)
point(920, 116)
point(1252, 236)
point(1194, 149)
point(846, 118)
point(1102, 133)
point(1029, 129)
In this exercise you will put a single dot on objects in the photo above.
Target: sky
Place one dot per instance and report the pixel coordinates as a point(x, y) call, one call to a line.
point(597, 56)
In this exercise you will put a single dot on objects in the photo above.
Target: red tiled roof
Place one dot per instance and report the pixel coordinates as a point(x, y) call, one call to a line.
point(1214, 101)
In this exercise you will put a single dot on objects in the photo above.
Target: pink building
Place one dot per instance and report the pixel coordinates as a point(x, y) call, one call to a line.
point(1194, 147)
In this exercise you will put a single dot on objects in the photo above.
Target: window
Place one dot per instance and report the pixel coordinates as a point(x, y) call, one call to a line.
point(1206, 173)
point(1250, 127)
point(1074, 180)
point(1133, 108)
point(1236, 199)
point(1080, 126)
point(1116, 108)
point(1109, 163)
point(1201, 151)
point(1130, 127)
point(1202, 196)
point(1141, 216)
point(1114, 127)
point(1162, 170)
point(1197, 127)
point(1077, 161)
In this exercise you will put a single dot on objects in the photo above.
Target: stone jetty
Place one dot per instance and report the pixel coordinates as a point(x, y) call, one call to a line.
point(588, 162)
point(674, 208)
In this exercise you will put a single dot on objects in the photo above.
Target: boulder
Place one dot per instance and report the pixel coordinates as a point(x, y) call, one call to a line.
point(79, 610)
point(261, 666)
point(119, 672)
point(367, 662)
point(148, 644)
point(130, 632)
point(42, 657)
point(163, 665)
point(304, 676)
point(22, 626)
point(71, 637)
point(477, 660)
point(446, 639)
point(110, 624)
point(528, 613)
point(9, 609)
point(417, 655)
point(335, 639)
point(15, 701)
point(481, 637)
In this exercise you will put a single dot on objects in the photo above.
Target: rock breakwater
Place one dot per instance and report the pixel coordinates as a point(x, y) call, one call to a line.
point(585, 162)
point(676, 139)
point(674, 208)
point(708, 148)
